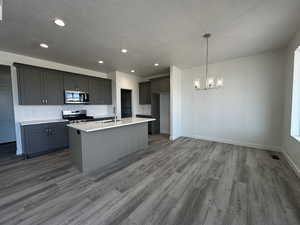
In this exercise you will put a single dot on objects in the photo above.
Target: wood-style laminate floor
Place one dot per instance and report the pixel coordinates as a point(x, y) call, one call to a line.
point(186, 182)
point(8, 153)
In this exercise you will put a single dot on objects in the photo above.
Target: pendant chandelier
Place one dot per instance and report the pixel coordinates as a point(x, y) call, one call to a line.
point(208, 83)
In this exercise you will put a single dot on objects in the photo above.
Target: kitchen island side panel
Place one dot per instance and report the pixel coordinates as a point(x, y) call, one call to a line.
point(100, 148)
point(76, 148)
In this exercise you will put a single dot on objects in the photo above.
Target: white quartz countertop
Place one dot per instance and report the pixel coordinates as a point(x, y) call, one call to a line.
point(33, 122)
point(99, 125)
point(100, 117)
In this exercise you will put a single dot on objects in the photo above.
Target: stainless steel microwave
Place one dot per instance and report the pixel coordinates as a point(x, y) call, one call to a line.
point(76, 97)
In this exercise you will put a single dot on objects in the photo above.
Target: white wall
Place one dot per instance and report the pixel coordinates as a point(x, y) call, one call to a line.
point(27, 113)
point(291, 146)
point(113, 77)
point(175, 102)
point(248, 110)
point(295, 113)
point(164, 113)
point(131, 82)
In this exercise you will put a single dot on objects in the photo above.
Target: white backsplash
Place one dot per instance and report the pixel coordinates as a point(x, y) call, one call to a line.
point(92, 110)
point(29, 113)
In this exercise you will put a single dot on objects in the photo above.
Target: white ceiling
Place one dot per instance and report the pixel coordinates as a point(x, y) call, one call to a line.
point(163, 31)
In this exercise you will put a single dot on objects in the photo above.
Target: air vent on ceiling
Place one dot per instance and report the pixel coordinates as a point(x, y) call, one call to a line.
point(1, 8)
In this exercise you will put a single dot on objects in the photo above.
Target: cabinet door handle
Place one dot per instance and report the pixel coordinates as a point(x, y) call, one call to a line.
point(52, 131)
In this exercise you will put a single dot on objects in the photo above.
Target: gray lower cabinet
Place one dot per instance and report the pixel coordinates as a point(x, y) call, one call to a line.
point(39, 86)
point(145, 93)
point(39, 139)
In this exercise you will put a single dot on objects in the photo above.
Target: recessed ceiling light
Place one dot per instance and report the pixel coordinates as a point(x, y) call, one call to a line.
point(100, 61)
point(156, 64)
point(124, 50)
point(132, 71)
point(43, 45)
point(59, 22)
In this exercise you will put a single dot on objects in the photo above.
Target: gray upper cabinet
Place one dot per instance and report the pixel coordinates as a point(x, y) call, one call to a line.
point(69, 81)
point(38, 86)
point(75, 82)
point(41, 86)
point(100, 91)
point(53, 88)
point(95, 90)
point(30, 85)
point(82, 83)
point(145, 93)
point(160, 85)
point(107, 92)
point(165, 84)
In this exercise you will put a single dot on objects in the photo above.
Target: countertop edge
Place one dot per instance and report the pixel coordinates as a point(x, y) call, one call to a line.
point(36, 122)
point(111, 127)
point(26, 123)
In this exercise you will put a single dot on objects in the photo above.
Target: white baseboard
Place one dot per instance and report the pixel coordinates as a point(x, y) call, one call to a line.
point(234, 142)
point(172, 138)
point(292, 163)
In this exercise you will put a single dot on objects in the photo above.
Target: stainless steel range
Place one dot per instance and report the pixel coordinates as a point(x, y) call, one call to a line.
point(76, 116)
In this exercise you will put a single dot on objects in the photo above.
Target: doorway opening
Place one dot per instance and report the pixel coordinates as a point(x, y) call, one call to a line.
point(160, 110)
point(126, 103)
point(7, 120)
point(155, 111)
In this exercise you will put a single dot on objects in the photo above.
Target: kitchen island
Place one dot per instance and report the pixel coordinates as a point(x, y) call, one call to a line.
point(95, 145)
